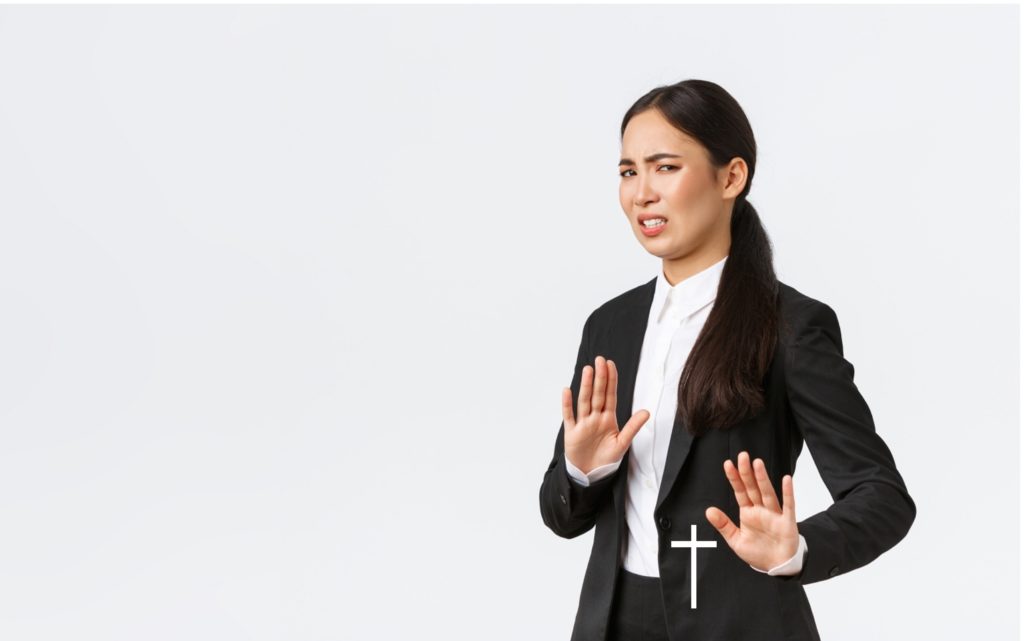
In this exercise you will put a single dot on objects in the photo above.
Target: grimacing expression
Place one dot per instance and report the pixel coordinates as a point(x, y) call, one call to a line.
point(669, 174)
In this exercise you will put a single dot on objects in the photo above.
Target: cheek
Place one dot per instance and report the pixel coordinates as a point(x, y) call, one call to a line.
point(688, 187)
point(683, 192)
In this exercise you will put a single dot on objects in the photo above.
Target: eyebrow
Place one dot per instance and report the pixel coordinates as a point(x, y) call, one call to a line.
point(649, 159)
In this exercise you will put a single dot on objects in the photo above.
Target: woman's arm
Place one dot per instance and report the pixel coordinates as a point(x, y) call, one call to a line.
point(873, 510)
point(568, 508)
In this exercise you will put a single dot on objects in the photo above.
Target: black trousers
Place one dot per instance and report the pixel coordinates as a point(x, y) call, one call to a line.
point(638, 613)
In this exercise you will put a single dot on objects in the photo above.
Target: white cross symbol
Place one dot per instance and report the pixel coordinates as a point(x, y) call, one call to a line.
point(693, 544)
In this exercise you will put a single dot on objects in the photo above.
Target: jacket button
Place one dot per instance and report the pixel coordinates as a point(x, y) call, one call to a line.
point(834, 571)
point(562, 496)
point(665, 523)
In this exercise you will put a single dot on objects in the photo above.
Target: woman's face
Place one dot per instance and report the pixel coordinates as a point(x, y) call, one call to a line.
point(668, 174)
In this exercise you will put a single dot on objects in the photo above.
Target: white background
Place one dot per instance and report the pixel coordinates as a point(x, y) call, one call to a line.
point(288, 296)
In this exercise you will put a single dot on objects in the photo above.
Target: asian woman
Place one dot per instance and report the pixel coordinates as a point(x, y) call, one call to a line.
point(691, 399)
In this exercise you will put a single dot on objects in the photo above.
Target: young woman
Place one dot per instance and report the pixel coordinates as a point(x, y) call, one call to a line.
point(693, 396)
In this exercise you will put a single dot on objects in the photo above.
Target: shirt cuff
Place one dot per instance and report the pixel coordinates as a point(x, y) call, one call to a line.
point(593, 476)
point(792, 566)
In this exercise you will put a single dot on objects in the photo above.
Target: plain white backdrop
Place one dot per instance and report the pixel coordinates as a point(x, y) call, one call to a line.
point(288, 296)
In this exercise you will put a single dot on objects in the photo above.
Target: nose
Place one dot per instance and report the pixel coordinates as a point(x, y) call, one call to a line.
point(644, 193)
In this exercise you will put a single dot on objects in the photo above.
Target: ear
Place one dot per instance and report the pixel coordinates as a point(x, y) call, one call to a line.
point(733, 178)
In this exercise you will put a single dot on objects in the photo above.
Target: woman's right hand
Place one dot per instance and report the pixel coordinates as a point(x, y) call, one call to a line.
point(594, 439)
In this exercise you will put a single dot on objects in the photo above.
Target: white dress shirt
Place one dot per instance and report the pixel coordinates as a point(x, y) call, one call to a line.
point(676, 318)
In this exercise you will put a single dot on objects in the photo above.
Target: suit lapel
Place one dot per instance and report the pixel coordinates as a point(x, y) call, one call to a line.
point(678, 450)
point(629, 331)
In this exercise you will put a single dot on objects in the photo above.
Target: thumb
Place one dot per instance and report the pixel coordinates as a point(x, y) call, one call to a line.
point(721, 522)
point(633, 426)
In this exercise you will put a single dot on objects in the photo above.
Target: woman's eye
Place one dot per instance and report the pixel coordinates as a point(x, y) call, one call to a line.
point(624, 173)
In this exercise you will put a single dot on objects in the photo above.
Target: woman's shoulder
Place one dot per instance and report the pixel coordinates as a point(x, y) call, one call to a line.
point(800, 313)
point(792, 301)
point(637, 298)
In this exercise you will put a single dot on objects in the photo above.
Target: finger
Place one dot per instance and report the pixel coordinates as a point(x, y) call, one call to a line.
point(586, 388)
point(613, 387)
point(738, 487)
point(747, 475)
point(721, 522)
point(567, 418)
point(788, 499)
point(600, 383)
point(768, 497)
point(633, 426)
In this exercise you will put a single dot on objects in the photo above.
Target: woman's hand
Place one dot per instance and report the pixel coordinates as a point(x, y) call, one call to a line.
point(595, 440)
point(767, 535)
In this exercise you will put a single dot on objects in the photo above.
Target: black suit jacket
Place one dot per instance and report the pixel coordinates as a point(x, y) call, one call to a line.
point(810, 396)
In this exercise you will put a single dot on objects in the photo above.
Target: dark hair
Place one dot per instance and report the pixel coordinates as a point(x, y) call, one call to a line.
point(723, 380)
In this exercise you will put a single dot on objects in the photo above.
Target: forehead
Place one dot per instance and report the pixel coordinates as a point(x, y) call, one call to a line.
point(650, 130)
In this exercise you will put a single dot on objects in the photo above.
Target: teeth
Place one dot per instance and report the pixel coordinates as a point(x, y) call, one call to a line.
point(654, 222)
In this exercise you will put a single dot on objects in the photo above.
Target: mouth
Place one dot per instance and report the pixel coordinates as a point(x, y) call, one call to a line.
point(644, 218)
point(652, 224)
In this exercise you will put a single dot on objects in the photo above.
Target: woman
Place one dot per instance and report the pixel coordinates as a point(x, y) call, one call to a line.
point(717, 373)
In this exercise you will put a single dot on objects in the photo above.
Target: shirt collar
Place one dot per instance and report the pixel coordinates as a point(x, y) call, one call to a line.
point(688, 295)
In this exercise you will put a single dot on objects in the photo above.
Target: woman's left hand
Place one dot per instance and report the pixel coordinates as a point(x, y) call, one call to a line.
point(767, 535)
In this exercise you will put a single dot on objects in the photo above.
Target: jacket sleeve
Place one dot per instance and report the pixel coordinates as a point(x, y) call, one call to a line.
point(568, 508)
point(872, 510)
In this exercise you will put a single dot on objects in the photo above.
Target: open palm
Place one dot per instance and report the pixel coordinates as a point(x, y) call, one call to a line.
point(767, 535)
point(592, 437)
